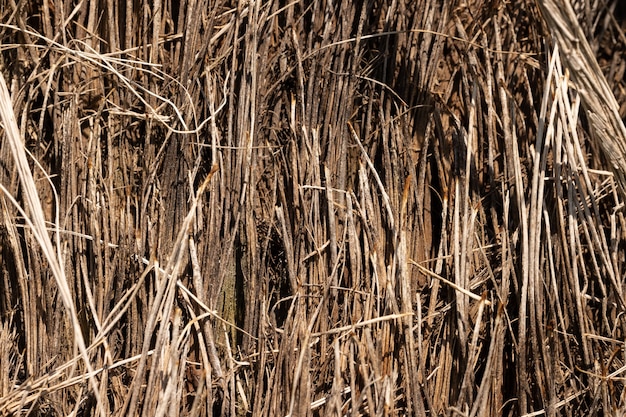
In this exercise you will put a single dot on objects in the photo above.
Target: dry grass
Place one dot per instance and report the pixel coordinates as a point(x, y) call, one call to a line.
point(312, 208)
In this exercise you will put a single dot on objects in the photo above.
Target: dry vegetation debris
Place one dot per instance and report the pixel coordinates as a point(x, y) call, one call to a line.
point(312, 208)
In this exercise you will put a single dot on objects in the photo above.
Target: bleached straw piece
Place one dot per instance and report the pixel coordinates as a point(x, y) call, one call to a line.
point(607, 127)
point(38, 224)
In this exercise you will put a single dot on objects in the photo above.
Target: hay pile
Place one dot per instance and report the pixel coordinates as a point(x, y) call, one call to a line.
point(311, 208)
